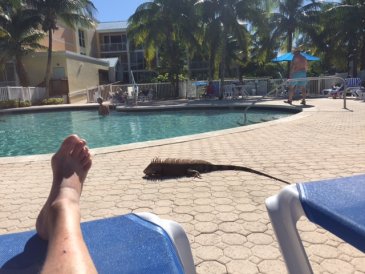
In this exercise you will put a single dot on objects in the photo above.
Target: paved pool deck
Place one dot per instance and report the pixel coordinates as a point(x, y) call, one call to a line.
point(223, 213)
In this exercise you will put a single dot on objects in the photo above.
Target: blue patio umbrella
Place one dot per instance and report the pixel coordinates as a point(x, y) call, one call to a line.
point(200, 83)
point(289, 56)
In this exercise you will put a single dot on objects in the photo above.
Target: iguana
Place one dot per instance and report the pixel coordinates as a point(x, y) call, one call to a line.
point(171, 167)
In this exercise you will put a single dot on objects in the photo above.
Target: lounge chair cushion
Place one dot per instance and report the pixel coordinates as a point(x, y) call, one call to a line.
point(338, 206)
point(124, 244)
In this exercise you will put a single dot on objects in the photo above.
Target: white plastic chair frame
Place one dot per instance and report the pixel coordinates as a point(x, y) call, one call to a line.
point(177, 236)
point(284, 210)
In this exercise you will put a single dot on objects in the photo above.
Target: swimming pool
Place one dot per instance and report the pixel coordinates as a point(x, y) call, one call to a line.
point(41, 132)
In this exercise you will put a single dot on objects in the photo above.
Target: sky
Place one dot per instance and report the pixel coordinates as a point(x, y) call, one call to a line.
point(115, 10)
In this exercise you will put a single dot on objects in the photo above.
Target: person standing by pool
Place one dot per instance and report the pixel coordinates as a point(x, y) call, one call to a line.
point(59, 219)
point(298, 70)
point(103, 109)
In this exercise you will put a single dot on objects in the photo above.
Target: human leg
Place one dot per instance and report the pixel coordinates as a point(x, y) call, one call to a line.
point(59, 220)
point(304, 95)
point(290, 95)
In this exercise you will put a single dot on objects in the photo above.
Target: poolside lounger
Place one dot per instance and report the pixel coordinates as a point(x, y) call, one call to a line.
point(239, 91)
point(132, 243)
point(337, 205)
point(228, 92)
point(359, 93)
point(334, 92)
point(352, 84)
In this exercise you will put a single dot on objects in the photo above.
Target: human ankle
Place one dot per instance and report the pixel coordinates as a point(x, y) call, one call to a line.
point(63, 213)
point(72, 182)
point(67, 197)
point(64, 206)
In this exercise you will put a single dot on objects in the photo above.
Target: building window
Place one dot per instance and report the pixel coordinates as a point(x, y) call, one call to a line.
point(106, 39)
point(7, 76)
point(82, 38)
point(115, 39)
point(114, 42)
point(137, 60)
point(58, 73)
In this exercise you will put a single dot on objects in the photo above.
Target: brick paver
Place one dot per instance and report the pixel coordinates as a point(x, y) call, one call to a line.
point(223, 213)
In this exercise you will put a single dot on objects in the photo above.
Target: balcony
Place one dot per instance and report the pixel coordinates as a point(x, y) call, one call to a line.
point(113, 47)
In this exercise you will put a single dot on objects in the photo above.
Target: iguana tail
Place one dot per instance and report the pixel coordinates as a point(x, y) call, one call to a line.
point(247, 169)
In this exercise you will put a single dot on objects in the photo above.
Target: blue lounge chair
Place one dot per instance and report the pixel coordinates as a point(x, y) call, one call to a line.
point(353, 84)
point(360, 92)
point(132, 243)
point(337, 205)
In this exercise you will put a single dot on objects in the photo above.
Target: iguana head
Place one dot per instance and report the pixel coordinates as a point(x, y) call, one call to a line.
point(154, 168)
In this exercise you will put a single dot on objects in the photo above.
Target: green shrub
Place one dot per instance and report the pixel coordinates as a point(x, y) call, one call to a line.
point(25, 103)
point(14, 104)
point(8, 104)
point(161, 78)
point(52, 101)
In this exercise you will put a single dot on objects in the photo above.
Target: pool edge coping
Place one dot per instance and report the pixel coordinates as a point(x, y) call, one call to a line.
point(305, 112)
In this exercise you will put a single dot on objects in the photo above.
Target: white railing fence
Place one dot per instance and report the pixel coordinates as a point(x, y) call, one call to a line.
point(32, 94)
point(258, 86)
point(138, 92)
point(250, 87)
point(310, 80)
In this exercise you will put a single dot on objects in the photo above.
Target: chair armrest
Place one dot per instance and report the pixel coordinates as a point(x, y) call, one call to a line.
point(285, 210)
point(177, 236)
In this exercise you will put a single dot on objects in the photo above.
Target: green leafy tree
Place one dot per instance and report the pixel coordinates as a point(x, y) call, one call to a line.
point(3, 20)
point(20, 36)
point(72, 12)
point(262, 47)
point(5, 7)
point(294, 19)
point(165, 28)
point(345, 31)
point(225, 24)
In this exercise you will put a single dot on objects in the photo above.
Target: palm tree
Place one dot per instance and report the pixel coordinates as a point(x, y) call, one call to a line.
point(165, 27)
point(72, 12)
point(225, 21)
point(5, 5)
point(210, 40)
point(345, 29)
point(293, 19)
point(20, 36)
point(3, 32)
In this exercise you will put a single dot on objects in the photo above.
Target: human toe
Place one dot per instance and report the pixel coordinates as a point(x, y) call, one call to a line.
point(86, 163)
point(68, 144)
point(71, 139)
point(78, 150)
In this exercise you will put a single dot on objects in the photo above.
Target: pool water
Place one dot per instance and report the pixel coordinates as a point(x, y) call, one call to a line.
point(42, 132)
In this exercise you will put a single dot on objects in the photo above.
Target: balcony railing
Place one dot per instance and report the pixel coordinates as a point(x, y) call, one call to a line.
point(113, 47)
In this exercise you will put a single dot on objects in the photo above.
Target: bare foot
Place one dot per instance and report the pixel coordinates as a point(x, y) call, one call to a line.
point(70, 166)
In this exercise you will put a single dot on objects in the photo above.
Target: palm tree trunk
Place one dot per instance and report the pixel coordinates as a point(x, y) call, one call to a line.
point(188, 60)
point(20, 70)
point(222, 67)
point(289, 49)
point(177, 85)
point(211, 66)
point(49, 63)
point(362, 56)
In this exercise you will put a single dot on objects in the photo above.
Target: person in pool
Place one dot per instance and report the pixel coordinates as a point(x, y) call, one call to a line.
point(59, 219)
point(103, 109)
point(298, 69)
